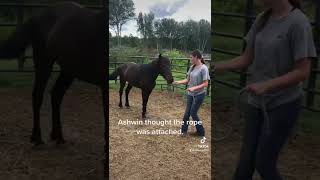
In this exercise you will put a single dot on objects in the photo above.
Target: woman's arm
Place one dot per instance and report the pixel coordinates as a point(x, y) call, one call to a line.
point(203, 85)
point(184, 81)
point(239, 62)
point(299, 73)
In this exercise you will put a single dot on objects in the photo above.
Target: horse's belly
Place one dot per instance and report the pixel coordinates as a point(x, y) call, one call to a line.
point(89, 74)
point(134, 83)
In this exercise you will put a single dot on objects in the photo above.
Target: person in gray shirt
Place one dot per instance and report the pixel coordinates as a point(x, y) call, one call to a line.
point(279, 49)
point(197, 80)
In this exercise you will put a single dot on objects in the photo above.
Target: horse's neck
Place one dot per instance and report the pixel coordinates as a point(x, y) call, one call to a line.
point(155, 70)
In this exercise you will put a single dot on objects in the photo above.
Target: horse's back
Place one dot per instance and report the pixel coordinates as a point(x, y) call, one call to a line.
point(46, 20)
point(129, 69)
point(78, 43)
point(129, 72)
point(139, 75)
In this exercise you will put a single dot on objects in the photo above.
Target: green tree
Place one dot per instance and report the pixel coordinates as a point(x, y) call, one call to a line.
point(146, 27)
point(190, 30)
point(167, 30)
point(204, 34)
point(120, 12)
point(140, 24)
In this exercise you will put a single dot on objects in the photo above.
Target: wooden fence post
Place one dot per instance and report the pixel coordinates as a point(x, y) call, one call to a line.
point(249, 21)
point(20, 15)
point(188, 66)
point(314, 64)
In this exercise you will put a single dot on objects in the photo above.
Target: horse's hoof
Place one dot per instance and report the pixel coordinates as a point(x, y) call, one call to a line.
point(53, 137)
point(60, 141)
point(127, 106)
point(40, 146)
point(58, 137)
point(120, 105)
point(32, 139)
point(37, 142)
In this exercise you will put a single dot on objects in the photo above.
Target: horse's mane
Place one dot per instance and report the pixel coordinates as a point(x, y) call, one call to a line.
point(154, 62)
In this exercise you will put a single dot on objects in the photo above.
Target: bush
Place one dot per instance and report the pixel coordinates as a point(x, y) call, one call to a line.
point(173, 54)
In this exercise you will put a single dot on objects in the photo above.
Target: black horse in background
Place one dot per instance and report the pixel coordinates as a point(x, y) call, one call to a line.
point(142, 76)
point(75, 38)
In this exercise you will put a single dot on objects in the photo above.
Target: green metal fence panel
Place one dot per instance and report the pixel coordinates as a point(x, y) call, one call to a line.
point(114, 64)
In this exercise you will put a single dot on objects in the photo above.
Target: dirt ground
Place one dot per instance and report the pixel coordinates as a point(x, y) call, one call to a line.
point(132, 156)
point(80, 158)
point(299, 160)
point(156, 156)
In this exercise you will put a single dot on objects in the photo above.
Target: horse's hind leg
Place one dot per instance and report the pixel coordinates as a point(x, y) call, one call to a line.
point(122, 84)
point(42, 74)
point(62, 84)
point(127, 94)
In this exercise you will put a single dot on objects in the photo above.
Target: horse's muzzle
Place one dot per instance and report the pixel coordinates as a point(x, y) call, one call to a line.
point(170, 81)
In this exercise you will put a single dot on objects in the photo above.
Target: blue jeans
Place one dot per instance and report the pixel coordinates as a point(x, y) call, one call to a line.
point(193, 105)
point(260, 149)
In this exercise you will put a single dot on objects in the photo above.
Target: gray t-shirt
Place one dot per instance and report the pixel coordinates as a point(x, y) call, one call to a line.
point(196, 77)
point(276, 48)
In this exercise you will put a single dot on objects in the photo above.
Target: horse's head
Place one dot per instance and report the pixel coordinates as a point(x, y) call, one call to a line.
point(165, 68)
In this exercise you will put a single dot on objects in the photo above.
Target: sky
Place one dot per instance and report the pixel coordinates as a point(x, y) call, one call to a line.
point(180, 10)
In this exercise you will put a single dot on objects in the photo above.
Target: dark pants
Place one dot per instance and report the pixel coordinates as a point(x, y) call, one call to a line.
point(193, 105)
point(260, 148)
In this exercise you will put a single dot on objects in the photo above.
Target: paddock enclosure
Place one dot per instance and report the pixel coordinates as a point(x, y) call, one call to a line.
point(156, 156)
point(179, 69)
point(81, 157)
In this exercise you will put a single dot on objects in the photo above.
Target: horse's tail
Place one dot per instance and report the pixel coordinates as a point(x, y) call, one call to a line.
point(17, 42)
point(114, 74)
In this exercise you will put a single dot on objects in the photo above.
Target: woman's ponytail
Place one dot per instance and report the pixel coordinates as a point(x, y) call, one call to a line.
point(296, 3)
point(263, 18)
point(202, 61)
point(196, 53)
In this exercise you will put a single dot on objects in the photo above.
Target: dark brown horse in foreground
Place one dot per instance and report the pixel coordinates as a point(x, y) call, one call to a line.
point(75, 38)
point(142, 76)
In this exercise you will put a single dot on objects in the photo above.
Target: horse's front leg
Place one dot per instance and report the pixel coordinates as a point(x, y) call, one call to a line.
point(145, 97)
point(62, 84)
point(41, 79)
point(129, 87)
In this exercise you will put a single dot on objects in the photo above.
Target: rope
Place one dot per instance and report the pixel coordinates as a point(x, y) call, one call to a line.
point(171, 90)
point(265, 114)
point(237, 105)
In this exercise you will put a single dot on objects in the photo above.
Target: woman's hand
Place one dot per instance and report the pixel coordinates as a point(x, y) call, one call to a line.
point(203, 85)
point(191, 89)
point(258, 88)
